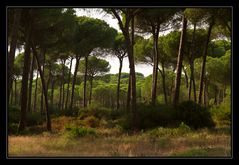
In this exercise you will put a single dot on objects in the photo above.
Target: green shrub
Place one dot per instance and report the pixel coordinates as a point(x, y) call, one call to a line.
point(13, 114)
point(74, 131)
point(150, 117)
point(12, 128)
point(35, 118)
point(221, 114)
point(194, 115)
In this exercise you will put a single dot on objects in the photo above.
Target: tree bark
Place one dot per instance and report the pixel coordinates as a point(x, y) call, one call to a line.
point(204, 63)
point(118, 84)
point(164, 85)
point(128, 93)
point(73, 81)
point(52, 91)
point(179, 63)
point(186, 76)
point(48, 118)
point(155, 66)
point(191, 61)
point(24, 87)
point(91, 84)
point(85, 77)
point(35, 97)
point(43, 70)
point(68, 84)
point(16, 92)
point(63, 87)
point(13, 45)
point(30, 86)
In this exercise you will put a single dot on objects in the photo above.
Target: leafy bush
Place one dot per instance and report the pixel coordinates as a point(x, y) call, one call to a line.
point(221, 114)
point(35, 118)
point(169, 132)
point(13, 114)
point(150, 117)
point(98, 112)
point(12, 128)
point(194, 115)
point(74, 131)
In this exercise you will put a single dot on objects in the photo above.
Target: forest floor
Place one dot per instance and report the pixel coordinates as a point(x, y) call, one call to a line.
point(114, 142)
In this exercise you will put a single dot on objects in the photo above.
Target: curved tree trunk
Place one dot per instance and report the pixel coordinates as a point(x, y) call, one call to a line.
point(204, 63)
point(48, 118)
point(85, 77)
point(118, 84)
point(179, 63)
point(13, 45)
point(68, 84)
point(73, 81)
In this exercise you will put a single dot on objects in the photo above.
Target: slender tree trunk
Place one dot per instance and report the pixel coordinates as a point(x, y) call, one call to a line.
point(85, 77)
point(48, 118)
point(204, 63)
point(91, 85)
point(118, 84)
point(30, 85)
point(52, 91)
point(26, 68)
point(16, 92)
point(73, 81)
point(68, 84)
point(13, 45)
point(191, 61)
point(179, 63)
point(164, 85)
point(11, 96)
point(155, 67)
point(128, 93)
point(43, 70)
point(186, 76)
point(205, 94)
point(63, 87)
point(35, 97)
point(215, 95)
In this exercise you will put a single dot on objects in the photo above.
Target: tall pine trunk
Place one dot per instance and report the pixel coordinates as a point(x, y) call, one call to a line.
point(85, 77)
point(13, 45)
point(35, 95)
point(68, 85)
point(48, 118)
point(16, 92)
point(43, 52)
point(204, 62)
point(63, 87)
point(25, 76)
point(179, 63)
point(91, 85)
point(128, 93)
point(155, 66)
point(118, 84)
point(30, 85)
point(164, 85)
point(73, 81)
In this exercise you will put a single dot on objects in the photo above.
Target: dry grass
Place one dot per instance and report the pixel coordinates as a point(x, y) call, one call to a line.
point(124, 145)
point(114, 142)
